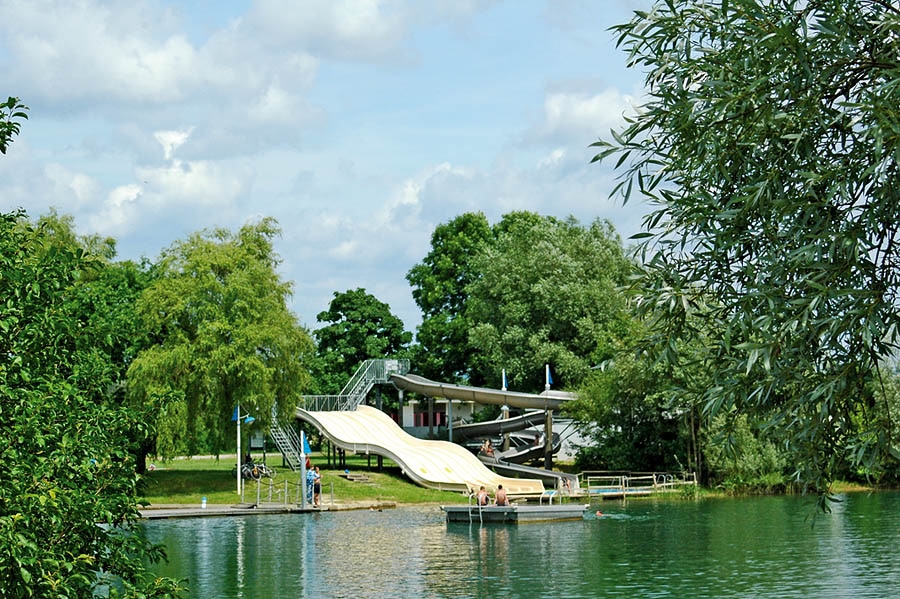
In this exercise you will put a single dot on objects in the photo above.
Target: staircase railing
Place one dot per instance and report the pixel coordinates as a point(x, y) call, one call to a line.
point(288, 442)
point(369, 373)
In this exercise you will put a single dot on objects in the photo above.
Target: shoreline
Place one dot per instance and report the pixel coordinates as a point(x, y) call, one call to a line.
point(179, 510)
point(163, 511)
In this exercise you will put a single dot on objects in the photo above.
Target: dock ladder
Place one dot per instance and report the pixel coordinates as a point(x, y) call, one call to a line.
point(473, 510)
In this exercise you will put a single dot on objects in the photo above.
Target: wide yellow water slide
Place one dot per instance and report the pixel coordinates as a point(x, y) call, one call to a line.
point(434, 464)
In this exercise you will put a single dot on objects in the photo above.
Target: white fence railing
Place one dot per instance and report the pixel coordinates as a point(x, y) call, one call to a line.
point(634, 483)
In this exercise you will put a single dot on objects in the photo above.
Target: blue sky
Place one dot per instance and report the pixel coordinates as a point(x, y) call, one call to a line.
point(359, 125)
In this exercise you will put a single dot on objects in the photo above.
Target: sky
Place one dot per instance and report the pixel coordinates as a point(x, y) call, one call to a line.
point(359, 125)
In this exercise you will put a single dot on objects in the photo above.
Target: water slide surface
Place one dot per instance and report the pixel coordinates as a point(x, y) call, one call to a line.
point(434, 464)
point(551, 477)
point(548, 400)
point(499, 426)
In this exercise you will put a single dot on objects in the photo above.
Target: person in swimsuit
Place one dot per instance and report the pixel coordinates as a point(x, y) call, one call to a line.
point(500, 498)
point(317, 487)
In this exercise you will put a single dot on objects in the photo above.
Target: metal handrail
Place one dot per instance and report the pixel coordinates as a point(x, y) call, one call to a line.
point(478, 505)
point(283, 492)
point(294, 440)
point(369, 373)
point(288, 442)
point(635, 483)
point(321, 403)
point(366, 376)
point(549, 494)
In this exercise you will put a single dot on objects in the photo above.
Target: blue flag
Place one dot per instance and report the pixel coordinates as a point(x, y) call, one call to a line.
point(234, 414)
point(306, 448)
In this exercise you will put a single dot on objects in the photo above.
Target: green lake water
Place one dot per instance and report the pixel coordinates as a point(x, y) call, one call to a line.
point(756, 547)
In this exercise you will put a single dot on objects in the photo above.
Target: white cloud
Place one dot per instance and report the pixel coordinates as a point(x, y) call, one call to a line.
point(171, 140)
point(78, 187)
point(407, 199)
point(553, 159)
point(134, 60)
point(586, 115)
point(120, 211)
point(358, 124)
point(346, 250)
point(199, 183)
point(354, 29)
point(275, 105)
point(199, 194)
point(96, 52)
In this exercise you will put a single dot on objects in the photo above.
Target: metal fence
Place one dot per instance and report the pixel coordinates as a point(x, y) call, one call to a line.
point(284, 492)
point(622, 484)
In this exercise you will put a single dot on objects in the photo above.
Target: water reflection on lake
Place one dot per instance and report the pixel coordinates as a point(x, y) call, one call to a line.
point(757, 547)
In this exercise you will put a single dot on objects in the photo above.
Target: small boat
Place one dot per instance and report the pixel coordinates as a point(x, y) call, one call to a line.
point(516, 513)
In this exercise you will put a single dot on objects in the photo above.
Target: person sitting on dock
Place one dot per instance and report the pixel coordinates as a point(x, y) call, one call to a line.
point(482, 497)
point(500, 498)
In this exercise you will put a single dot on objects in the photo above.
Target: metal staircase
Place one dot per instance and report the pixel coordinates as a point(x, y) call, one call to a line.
point(288, 442)
point(369, 374)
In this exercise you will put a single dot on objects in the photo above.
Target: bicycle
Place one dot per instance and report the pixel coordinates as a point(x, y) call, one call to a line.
point(253, 471)
point(265, 471)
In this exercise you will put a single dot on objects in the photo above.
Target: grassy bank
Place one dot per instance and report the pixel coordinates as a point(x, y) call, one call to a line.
point(185, 481)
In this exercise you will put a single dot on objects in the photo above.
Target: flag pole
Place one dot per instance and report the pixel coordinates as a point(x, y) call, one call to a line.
point(504, 409)
point(238, 412)
point(303, 469)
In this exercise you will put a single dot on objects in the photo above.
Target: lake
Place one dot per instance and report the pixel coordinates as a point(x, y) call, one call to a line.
point(748, 547)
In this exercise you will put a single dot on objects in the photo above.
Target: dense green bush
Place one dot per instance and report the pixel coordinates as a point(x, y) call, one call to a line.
point(741, 459)
point(67, 493)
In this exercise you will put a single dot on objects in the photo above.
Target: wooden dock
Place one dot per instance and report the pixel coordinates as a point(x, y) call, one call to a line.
point(517, 513)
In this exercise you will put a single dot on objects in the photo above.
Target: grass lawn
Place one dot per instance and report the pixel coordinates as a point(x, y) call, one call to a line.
point(185, 481)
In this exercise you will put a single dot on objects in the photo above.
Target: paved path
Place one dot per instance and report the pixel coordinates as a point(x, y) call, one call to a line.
point(156, 512)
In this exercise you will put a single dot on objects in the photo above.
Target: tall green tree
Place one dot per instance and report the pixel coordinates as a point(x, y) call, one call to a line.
point(358, 327)
point(68, 504)
point(439, 286)
point(769, 144)
point(547, 292)
point(102, 301)
point(104, 293)
point(883, 408)
point(222, 336)
point(625, 410)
